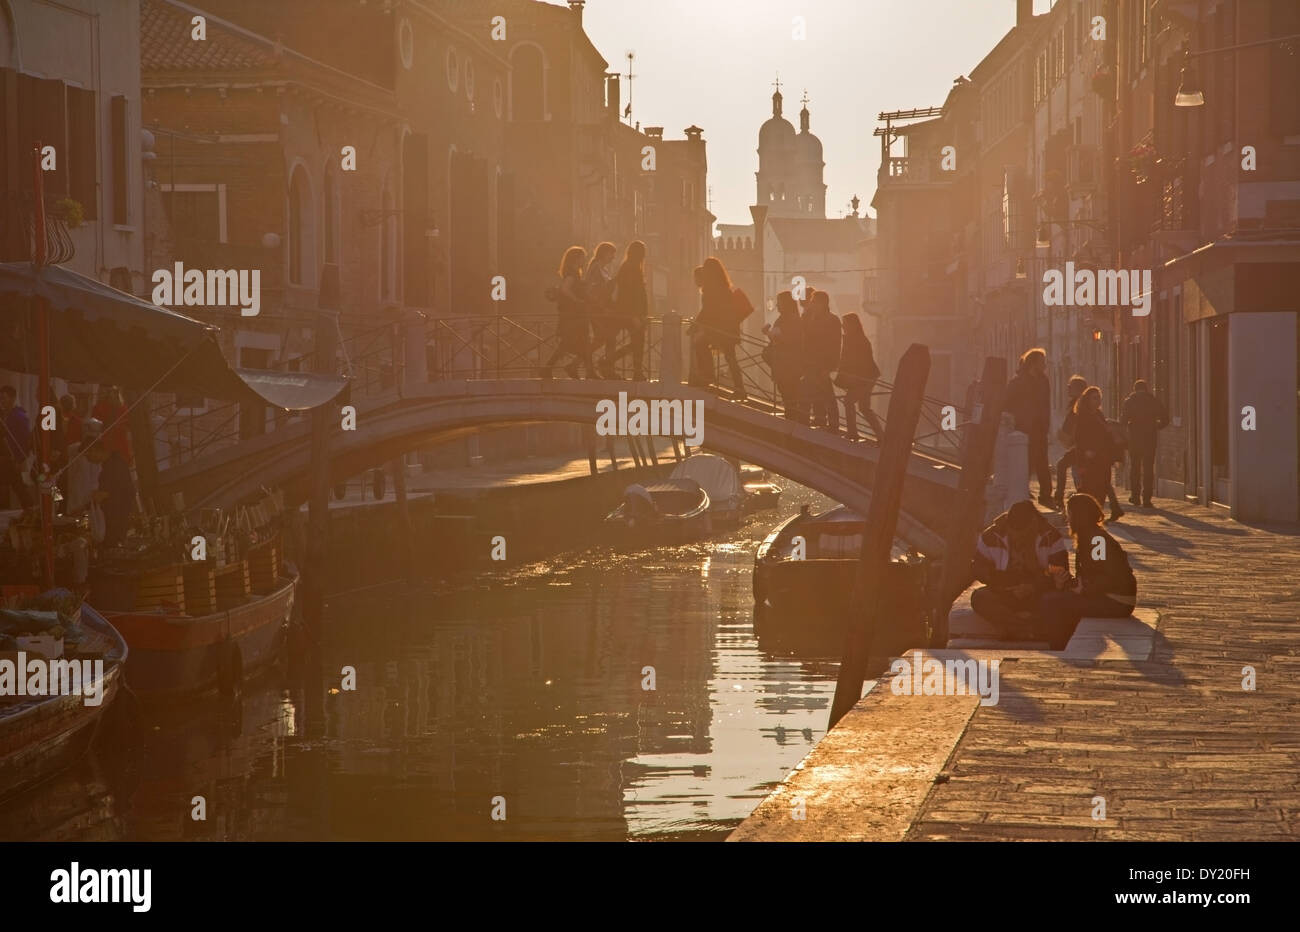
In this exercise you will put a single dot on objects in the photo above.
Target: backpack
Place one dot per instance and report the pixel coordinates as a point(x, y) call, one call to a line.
point(740, 302)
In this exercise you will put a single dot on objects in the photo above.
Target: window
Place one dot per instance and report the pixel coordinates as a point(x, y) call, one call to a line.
point(121, 215)
point(469, 79)
point(406, 43)
point(195, 212)
point(302, 230)
point(251, 357)
point(82, 147)
point(453, 70)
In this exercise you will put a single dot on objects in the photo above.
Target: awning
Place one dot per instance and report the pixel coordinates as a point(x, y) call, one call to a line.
point(99, 334)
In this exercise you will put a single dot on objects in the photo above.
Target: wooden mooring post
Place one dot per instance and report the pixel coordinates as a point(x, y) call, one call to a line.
point(968, 513)
point(882, 521)
point(405, 529)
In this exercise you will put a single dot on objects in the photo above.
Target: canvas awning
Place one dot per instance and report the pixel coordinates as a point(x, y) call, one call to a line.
point(99, 334)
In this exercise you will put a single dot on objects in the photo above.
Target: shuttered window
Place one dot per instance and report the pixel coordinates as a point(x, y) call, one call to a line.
point(117, 116)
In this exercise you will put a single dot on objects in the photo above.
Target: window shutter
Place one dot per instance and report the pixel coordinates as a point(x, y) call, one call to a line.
point(82, 150)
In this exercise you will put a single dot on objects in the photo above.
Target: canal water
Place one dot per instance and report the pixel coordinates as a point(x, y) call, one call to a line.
point(521, 693)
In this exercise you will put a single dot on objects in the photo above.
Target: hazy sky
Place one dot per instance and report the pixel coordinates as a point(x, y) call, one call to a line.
point(712, 63)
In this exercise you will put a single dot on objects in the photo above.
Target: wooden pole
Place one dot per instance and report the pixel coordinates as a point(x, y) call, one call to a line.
point(882, 520)
point(589, 435)
point(968, 513)
point(46, 488)
point(323, 420)
point(404, 519)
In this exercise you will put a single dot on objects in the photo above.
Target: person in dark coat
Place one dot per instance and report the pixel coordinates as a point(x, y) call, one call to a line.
point(574, 328)
point(15, 444)
point(1018, 558)
point(1029, 401)
point(631, 308)
point(1073, 389)
point(784, 353)
point(716, 327)
point(821, 354)
point(598, 287)
point(1142, 416)
point(1093, 445)
point(1105, 586)
point(857, 374)
point(116, 493)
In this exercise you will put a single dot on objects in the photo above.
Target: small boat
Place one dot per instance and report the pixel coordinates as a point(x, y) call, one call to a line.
point(676, 509)
point(761, 494)
point(721, 481)
point(810, 563)
point(41, 735)
point(192, 629)
point(174, 654)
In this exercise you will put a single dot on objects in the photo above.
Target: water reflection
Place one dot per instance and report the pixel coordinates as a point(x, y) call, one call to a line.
point(525, 685)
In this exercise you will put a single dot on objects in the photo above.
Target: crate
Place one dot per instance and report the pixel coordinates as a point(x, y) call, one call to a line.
point(200, 589)
point(162, 588)
point(263, 562)
point(233, 585)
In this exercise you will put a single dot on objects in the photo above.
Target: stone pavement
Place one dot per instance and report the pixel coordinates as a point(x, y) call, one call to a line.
point(1174, 744)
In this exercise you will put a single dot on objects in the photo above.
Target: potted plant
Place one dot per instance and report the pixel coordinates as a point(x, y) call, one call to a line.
point(69, 211)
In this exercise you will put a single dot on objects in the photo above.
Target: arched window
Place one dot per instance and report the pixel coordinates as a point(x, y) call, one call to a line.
point(527, 91)
point(302, 257)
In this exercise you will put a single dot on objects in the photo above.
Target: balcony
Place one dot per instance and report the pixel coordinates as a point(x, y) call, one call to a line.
point(912, 170)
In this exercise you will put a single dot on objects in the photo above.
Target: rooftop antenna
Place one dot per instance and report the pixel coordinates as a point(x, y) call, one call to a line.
point(627, 111)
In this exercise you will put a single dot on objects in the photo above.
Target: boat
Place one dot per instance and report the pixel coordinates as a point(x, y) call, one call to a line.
point(721, 481)
point(42, 735)
point(810, 562)
point(177, 653)
point(761, 494)
point(673, 509)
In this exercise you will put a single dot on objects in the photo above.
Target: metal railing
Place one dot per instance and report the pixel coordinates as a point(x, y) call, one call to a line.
point(524, 346)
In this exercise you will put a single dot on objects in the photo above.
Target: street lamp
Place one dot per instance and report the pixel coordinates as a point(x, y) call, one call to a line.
point(1190, 93)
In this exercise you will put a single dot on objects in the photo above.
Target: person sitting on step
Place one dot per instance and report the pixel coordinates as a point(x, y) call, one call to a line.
point(1105, 586)
point(1019, 558)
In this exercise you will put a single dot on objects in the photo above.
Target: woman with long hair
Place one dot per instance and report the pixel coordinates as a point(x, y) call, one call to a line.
point(1104, 585)
point(1093, 449)
point(631, 310)
point(573, 329)
point(598, 287)
point(784, 353)
point(857, 375)
point(716, 327)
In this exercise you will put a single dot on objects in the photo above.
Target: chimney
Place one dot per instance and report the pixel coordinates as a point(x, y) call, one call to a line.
point(693, 133)
point(655, 132)
point(576, 6)
point(613, 95)
point(1024, 11)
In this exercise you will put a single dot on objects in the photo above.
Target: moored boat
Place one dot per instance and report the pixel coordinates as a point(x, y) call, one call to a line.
point(810, 562)
point(672, 509)
point(41, 735)
point(721, 481)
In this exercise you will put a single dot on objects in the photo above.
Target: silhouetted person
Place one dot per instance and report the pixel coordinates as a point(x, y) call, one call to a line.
point(1073, 389)
point(631, 308)
point(1143, 416)
point(716, 327)
point(1093, 445)
point(573, 330)
point(1029, 401)
point(784, 353)
point(1018, 558)
point(598, 289)
point(14, 447)
point(821, 334)
point(116, 493)
point(857, 374)
point(111, 410)
point(1105, 586)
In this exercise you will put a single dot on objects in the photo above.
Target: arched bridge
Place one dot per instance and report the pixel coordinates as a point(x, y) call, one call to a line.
point(395, 415)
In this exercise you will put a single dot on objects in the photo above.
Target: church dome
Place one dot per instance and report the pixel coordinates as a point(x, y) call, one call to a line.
point(776, 132)
point(807, 147)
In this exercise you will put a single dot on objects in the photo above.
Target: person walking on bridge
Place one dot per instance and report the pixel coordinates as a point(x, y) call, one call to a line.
point(822, 354)
point(784, 353)
point(1029, 397)
point(631, 309)
point(716, 327)
point(574, 328)
point(857, 375)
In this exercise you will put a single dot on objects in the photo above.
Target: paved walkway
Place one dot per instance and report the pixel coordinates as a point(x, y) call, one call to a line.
point(1174, 744)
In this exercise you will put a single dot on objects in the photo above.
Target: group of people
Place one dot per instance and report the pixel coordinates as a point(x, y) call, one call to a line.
point(90, 458)
point(597, 305)
point(1093, 444)
point(804, 350)
point(1028, 590)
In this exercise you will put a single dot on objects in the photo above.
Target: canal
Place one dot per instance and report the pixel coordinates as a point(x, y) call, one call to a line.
point(522, 693)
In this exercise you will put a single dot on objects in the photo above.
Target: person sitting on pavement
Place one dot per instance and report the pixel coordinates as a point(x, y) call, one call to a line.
point(1019, 558)
point(1104, 587)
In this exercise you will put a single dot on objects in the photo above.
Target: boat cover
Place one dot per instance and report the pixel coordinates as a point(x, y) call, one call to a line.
point(99, 334)
point(714, 474)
